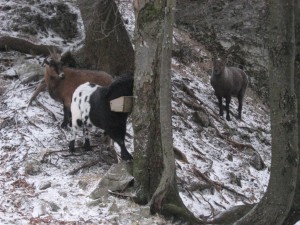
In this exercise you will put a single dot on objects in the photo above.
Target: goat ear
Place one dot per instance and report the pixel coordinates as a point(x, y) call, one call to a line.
point(61, 76)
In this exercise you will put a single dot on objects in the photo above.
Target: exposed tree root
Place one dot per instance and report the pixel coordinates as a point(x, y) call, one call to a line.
point(241, 146)
point(43, 160)
point(216, 184)
point(24, 46)
point(85, 165)
point(172, 210)
point(231, 215)
point(179, 155)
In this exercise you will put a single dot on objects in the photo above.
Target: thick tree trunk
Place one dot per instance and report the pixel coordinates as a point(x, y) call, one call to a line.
point(154, 162)
point(275, 205)
point(148, 163)
point(107, 45)
point(294, 214)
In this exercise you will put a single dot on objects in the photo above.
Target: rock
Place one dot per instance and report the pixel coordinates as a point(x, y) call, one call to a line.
point(54, 207)
point(97, 202)
point(82, 184)
point(117, 178)
point(113, 208)
point(39, 210)
point(144, 211)
point(32, 168)
point(26, 71)
point(63, 194)
point(235, 179)
point(201, 118)
point(254, 159)
point(45, 185)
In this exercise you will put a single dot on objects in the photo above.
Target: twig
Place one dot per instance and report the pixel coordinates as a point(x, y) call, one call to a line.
point(46, 109)
point(41, 87)
point(14, 87)
point(118, 194)
point(85, 165)
point(212, 214)
point(50, 153)
point(29, 121)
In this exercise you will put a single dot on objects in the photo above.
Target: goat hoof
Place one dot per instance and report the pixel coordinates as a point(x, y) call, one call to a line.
point(87, 145)
point(126, 157)
point(72, 146)
point(88, 148)
point(64, 125)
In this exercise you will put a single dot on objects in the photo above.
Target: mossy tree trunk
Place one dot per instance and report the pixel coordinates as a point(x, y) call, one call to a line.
point(107, 45)
point(277, 201)
point(154, 162)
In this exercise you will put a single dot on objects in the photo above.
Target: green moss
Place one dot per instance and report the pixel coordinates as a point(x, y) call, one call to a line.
point(151, 12)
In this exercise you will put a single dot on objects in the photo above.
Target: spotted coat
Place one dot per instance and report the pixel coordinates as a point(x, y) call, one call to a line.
point(91, 106)
point(80, 109)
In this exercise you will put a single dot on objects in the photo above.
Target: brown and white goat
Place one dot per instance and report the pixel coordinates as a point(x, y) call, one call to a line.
point(227, 82)
point(62, 81)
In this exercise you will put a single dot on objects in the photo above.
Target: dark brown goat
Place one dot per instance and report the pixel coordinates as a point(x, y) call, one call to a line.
point(227, 82)
point(62, 81)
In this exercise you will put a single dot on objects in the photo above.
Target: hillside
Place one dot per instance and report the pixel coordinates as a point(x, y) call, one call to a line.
point(220, 164)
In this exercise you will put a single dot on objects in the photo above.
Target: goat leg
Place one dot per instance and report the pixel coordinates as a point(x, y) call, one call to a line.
point(87, 145)
point(220, 105)
point(227, 108)
point(72, 146)
point(240, 98)
point(125, 155)
point(66, 120)
point(72, 142)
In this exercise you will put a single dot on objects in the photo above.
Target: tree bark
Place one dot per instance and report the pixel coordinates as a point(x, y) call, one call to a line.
point(277, 201)
point(154, 162)
point(294, 213)
point(107, 45)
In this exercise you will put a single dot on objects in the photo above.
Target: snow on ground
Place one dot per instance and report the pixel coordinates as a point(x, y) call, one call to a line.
point(35, 181)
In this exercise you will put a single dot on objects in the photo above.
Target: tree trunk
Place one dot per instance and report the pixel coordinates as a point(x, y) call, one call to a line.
point(276, 203)
point(107, 45)
point(146, 114)
point(154, 162)
point(294, 214)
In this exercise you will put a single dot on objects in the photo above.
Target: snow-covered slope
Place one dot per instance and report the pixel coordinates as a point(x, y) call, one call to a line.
point(218, 162)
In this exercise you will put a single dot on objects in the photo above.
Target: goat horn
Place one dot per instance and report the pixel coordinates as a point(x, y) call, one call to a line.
point(45, 62)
